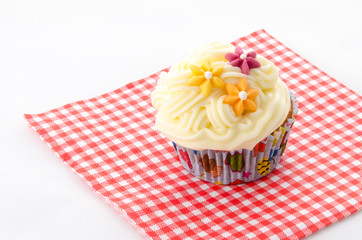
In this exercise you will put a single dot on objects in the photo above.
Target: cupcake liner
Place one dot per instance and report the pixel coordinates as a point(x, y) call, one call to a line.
point(236, 167)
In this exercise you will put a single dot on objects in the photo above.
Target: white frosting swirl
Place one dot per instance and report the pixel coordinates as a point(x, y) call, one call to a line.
point(194, 121)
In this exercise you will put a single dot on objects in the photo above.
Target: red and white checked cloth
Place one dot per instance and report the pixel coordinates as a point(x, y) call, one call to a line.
point(110, 141)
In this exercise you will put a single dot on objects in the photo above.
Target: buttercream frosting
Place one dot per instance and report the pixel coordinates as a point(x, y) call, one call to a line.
point(200, 121)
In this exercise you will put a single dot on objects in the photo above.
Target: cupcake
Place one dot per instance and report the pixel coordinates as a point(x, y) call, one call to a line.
point(227, 113)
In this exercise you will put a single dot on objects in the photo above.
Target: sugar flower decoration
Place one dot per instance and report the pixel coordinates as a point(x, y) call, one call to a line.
point(240, 97)
point(244, 61)
point(206, 77)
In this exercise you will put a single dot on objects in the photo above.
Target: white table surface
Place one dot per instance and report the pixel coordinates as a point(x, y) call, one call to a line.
point(56, 52)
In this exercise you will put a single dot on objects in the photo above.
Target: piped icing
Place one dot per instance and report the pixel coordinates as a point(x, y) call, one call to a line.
point(208, 102)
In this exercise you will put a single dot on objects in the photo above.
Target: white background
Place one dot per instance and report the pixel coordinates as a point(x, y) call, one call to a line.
point(56, 52)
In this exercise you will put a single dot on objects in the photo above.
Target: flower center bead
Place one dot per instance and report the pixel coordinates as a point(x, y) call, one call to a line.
point(243, 95)
point(208, 75)
point(243, 56)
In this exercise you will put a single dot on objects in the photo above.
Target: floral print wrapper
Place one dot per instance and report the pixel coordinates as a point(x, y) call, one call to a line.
point(236, 167)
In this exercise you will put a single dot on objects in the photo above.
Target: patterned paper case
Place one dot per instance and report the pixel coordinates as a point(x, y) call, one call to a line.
point(235, 167)
point(227, 112)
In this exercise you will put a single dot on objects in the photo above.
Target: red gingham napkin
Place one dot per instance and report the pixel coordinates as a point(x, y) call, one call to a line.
point(110, 141)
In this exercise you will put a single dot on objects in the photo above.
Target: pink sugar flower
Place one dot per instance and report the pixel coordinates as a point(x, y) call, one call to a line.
point(242, 60)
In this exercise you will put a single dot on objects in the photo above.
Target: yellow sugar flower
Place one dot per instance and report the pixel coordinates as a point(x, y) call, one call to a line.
point(206, 77)
point(240, 97)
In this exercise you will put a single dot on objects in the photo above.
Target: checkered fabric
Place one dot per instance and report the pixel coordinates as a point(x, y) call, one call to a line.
point(110, 141)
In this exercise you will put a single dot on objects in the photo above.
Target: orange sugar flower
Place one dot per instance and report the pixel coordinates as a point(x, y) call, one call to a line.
point(240, 97)
point(206, 77)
